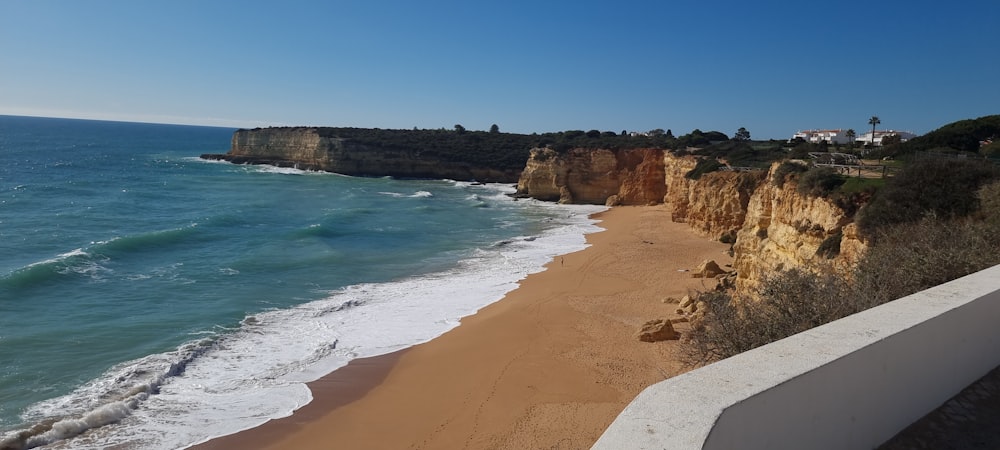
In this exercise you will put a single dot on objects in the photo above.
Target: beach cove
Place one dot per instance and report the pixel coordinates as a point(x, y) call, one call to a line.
point(548, 366)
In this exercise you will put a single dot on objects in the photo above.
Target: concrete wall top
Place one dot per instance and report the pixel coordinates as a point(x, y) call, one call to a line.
point(852, 383)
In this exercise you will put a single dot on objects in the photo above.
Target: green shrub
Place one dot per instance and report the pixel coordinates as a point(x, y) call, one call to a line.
point(819, 181)
point(784, 170)
point(704, 165)
point(945, 188)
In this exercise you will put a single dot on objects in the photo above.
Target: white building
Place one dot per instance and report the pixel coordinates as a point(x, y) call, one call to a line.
point(879, 134)
point(838, 136)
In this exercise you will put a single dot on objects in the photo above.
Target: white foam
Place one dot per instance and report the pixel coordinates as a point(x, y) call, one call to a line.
point(278, 170)
point(61, 257)
point(245, 377)
point(418, 194)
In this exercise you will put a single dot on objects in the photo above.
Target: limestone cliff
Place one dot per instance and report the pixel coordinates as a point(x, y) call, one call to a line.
point(308, 149)
point(774, 227)
point(785, 229)
point(627, 177)
point(716, 203)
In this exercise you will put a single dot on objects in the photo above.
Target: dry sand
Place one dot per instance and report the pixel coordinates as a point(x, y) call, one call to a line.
point(549, 366)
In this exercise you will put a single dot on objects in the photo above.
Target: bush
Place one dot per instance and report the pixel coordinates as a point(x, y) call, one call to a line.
point(790, 302)
point(911, 257)
point(945, 188)
point(854, 193)
point(819, 182)
point(786, 169)
point(904, 259)
point(989, 205)
point(705, 165)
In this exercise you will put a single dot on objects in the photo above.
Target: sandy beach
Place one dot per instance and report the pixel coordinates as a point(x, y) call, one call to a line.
point(549, 366)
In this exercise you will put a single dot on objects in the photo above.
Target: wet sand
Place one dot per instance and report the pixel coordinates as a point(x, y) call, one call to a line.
point(548, 366)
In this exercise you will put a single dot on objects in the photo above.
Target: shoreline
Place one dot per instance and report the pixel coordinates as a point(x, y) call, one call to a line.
point(550, 364)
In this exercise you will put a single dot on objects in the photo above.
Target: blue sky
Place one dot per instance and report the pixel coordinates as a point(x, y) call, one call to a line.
point(774, 67)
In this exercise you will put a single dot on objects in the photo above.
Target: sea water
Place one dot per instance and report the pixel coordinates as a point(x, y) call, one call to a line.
point(151, 299)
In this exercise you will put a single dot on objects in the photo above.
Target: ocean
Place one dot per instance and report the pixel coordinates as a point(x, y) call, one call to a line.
point(150, 299)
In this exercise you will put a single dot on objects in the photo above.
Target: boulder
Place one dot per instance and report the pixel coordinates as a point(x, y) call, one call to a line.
point(658, 330)
point(708, 269)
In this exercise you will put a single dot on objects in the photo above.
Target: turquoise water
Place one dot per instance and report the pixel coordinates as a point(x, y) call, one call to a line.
point(154, 299)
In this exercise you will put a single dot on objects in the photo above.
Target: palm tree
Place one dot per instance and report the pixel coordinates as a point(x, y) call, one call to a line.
point(873, 121)
point(850, 134)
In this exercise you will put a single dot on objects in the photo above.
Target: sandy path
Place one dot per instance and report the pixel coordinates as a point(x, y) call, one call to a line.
point(549, 366)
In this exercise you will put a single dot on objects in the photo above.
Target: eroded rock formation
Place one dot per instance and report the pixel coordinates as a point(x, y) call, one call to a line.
point(716, 203)
point(632, 177)
point(785, 229)
point(772, 227)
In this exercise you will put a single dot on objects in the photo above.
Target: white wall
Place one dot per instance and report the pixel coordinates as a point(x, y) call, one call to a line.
point(853, 383)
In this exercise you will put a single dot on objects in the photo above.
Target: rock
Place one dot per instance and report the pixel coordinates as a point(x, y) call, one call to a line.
point(594, 176)
point(565, 196)
point(708, 269)
point(658, 330)
point(714, 204)
point(685, 301)
point(679, 320)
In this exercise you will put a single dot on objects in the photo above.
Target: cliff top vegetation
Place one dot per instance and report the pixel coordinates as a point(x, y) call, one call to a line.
point(501, 150)
point(970, 137)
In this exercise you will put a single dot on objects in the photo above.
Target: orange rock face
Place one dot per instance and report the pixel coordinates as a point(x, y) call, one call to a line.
point(593, 176)
point(715, 204)
point(774, 227)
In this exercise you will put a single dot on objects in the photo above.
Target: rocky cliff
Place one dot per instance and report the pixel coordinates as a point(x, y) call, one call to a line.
point(627, 177)
point(308, 149)
point(785, 229)
point(773, 227)
point(716, 203)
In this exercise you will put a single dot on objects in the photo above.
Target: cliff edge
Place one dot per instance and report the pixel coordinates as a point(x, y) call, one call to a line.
point(311, 148)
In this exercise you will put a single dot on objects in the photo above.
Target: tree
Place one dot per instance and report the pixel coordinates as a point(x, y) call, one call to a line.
point(873, 121)
point(742, 135)
point(459, 129)
point(850, 134)
point(670, 134)
point(891, 139)
point(656, 132)
point(494, 128)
